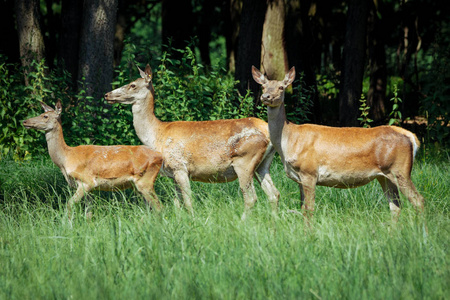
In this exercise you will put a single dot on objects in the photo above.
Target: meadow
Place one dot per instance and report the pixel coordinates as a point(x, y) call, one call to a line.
point(352, 250)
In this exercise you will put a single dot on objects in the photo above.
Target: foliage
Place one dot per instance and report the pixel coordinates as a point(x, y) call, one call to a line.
point(185, 90)
point(395, 115)
point(436, 100)
point(364, 108)
point(301, 99)
point(128, 252)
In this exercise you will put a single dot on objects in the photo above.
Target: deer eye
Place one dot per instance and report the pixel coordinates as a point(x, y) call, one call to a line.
point(133, 86)
point(281, 88)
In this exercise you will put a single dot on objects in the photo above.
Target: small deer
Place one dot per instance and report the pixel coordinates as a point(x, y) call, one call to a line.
point(339, 157)
point(207, 151)
point(105, 168)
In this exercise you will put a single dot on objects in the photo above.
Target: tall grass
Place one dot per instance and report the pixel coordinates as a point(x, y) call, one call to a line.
point(352, 250)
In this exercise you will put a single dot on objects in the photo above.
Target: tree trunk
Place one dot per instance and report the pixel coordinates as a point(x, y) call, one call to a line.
point(8, 32)
point(376, 95)
point(249, 45)
point(69, 41)
point(302, 49)
point(177, 23)
point(96, 46)
point(273, 51)
point(353, 62)
point(232, 13)
point(31, 40)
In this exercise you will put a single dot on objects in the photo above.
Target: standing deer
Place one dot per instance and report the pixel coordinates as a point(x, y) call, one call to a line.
point(339, 157)
point(104, 168)
point(207, 151)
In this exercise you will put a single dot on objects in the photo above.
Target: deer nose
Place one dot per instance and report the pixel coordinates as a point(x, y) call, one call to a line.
point(106, 95)
point(265, 96)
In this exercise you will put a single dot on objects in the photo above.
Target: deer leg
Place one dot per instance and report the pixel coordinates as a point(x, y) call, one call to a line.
point(308, 184)
point(268, 187)
point(82, 189)
point(184, 188)
point(146, 187)
point(391, 193)
point(406, 186)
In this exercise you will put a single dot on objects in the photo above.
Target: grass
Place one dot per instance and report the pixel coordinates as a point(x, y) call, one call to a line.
point(351, 251)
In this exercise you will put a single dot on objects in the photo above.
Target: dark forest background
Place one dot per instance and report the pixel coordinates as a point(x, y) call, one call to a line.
point(358, 62)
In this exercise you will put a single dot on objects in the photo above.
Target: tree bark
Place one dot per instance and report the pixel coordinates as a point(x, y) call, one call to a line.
point(232, 13)
point(69, 42)
point(273, 51)
point(249, 45)
point(96, 46)
point(376, 95)
point(31, 40)
point(8, 32)
point(301, 47)
point(353, 62)
point(177, 23)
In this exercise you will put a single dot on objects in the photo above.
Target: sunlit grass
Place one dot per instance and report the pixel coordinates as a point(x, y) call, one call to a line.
point(351, 250)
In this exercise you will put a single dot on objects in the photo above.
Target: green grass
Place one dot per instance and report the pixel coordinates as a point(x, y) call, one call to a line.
point(351, 251)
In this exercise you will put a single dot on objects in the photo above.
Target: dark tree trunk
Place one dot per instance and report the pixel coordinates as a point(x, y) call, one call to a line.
point(376, 96)
point(177, 23)
point(353, 62)
point(232, 13)
point(249, 45)
point(31, 40)
point(8, 31)
point(96, 46)
point(69, 42)
point(51, 28)
point(301, 49)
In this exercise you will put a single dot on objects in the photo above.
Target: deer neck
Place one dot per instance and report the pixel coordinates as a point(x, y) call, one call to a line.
point(276, 117)
point(146, 124)
point(57, 147)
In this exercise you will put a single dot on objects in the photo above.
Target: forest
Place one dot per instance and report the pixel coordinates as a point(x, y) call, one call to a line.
point(360, 63)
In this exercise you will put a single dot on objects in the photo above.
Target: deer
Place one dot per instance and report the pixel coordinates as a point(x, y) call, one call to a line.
point(91, 167)
point(215, 151)
point(346, 157)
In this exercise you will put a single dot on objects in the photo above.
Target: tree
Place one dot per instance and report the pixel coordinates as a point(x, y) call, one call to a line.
point(69, 36)
point(353, 62)
point(96, 46)
point(10, 47)
point(273, 51)
point(31, 40)
point(302, 49)
point(249, 44)
point(177, 23)
point(376, 95)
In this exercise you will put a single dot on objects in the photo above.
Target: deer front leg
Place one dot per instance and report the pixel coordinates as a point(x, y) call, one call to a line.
point(269, 188)
point(82, 189)
point(184, 188)
point(308, 186)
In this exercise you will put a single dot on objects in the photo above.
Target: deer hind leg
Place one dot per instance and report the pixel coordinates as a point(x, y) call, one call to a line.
point(391, 193)
point(245, 170)
point(406, 186)
point(145, 186)
point(183, 187)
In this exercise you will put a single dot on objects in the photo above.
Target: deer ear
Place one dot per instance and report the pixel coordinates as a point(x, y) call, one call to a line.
point(289, 77)
point(58, 107)
point(46, 107)
point(142, 73)
point(257, 76)
point(148, 73)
